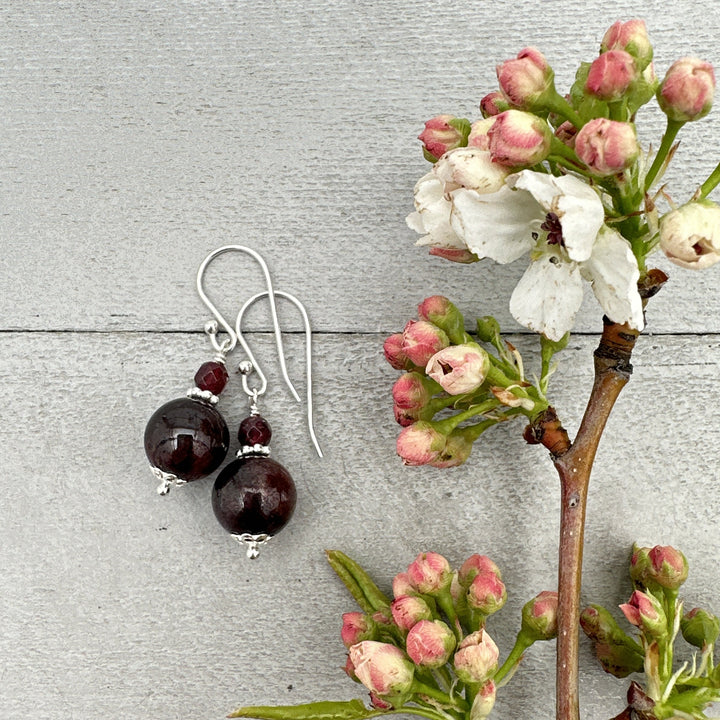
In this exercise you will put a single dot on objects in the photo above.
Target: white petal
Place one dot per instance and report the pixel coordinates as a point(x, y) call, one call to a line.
point(613, 272)
point(581, 216)
point(496, 225)
point(548, 296)
point(433, 214)
point(540, 185)
point(471, 168)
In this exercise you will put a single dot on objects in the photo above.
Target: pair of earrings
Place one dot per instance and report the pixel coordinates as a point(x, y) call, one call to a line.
point(187, 438)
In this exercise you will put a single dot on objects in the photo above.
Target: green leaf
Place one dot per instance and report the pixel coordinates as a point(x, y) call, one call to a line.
point(361, 586)
point(325, 710)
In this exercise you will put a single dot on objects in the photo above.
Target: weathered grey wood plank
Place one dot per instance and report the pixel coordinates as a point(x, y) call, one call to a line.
point(138, 137)
point(117, 602)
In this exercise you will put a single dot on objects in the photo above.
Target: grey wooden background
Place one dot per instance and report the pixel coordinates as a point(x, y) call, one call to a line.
point(137, 137)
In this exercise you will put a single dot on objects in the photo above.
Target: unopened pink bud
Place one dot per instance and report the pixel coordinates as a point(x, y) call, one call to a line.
point(477, 565)
point(441, 133)
point(382, 668)
point(646, 612)
point(459, 369)
point(394, 353)
point(458, 255)
point(486, 593)
point(406, 416)
point(690, 235)
point(632, 37)
point(402, 585)
point(519, 139)
point(421, 340)
point(566, 133)
point(669, 568)
point(430, 573)
point(410, 391)
point(383, 616)
point(356, 628)
point(350, 669)
point(478, 136)
point(607, 147)
point(378, 703)
point(611, 74)
point(420, 443)
point(484, 702)
point(456, 451)
point(539, 616)
point(430, 643)
point(493, 104)
point(476, 659)
point(408, 610)
point(526, 79)
point(687, 91)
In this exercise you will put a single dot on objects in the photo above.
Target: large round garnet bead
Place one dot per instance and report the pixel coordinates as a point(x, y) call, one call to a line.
point(254, 495)
point(186, 438)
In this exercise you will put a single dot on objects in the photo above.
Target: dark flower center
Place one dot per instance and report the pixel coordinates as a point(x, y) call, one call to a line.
point(553, 229)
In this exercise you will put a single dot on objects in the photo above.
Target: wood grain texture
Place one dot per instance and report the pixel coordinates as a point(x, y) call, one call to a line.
point(139, 136)
point(118, 602)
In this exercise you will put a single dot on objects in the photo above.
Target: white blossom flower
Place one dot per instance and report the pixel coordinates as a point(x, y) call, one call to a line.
point(560, 221)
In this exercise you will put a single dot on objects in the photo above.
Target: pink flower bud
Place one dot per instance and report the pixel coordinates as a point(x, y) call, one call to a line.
point(458, 255)
point(430, 573)
point(442, 133)
point(383, 616)
point(611, 74)
point(430, 643)
point(525, 80)
point(477, 565)
point(700, 628)
point(519, 139)
point(484, 702)
point(690, 235)
point(410, 391)
point(380, 704)
point(420, 444)
point(645, 611)
point(668, 567)
point(408, 610)
point(356, 628)
point(421, 340)
point(459, 369)
point(382, 668)
point(632, 37)
point(640, 564)
point(456, 451)
point(394, 353)
point(476, 659)
point(486, 593)
point(406, 416)
point(493, 104)
point(566, 133)
point(402, 585)
point(350, 669)
point(478, 136)
point(686, 93)
point(607, 147)
point(539, 616)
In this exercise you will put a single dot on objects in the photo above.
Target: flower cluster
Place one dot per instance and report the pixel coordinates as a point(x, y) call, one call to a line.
point(654, 609)
point(430, 645)
point(470, 382)
point(563, 180)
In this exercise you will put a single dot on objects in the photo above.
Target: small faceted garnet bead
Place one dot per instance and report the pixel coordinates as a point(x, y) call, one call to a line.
point(254, 495)
point(212, 376)
point(186, 438)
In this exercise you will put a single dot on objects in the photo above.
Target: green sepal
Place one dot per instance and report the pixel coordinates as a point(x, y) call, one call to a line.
point(548, 348)
point(325, 710)
point(488, 330)
point(429, 157)
point(462, 125)
point(361, 586)
point(587, 106)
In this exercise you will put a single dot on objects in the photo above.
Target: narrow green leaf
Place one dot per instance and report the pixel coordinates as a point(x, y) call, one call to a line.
point(370, 597)
point(326, 710)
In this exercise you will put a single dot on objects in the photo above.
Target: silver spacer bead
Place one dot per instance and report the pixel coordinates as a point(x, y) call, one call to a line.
point(167, 480)
point(247, 450)
point(245, 367)
point(253, 543)
point(195, 393)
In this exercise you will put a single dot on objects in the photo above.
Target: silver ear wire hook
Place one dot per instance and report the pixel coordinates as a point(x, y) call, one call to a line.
point(254, 392)
point(229, 344)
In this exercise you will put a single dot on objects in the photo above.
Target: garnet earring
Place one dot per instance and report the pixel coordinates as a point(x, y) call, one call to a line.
point(187, 438)
point(254, 496)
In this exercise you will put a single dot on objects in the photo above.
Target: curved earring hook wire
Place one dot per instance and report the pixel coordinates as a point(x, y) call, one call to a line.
point(229, 344)
point(256, 368)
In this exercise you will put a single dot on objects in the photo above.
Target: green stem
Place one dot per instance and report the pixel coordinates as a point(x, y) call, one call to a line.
point(448, 425)
point(522, 643)
point(709, 185)
point(410, 710)
point(562, 107)
point(671, 131)
point(445, 602)
point(436, 694)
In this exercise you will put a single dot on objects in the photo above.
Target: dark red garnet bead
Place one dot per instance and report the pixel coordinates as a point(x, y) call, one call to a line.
point(254, 495)
point(254, 430)
point(187, 438)
point(212, 376)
